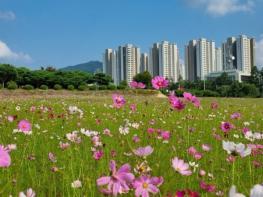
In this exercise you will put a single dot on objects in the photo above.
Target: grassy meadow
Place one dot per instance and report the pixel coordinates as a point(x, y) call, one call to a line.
point(41, 163)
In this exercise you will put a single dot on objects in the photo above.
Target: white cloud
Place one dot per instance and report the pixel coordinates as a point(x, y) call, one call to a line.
point(7, 15)
point(259, 52)
point(223, 7)
point(9, 56)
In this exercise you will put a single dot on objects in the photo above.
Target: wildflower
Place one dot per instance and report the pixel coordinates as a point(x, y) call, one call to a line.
point(165, 135)
point(24, 126)
point(206, 147)
point(133, 107)
point(119, 180)
point(207, 187)
point(145, 185)
point(5, 160)
point(188, 96)
point(142, 168)
point(256, 191)
point(141, 85)
point(235, 115)
point(176, 103)
point(63, 146)
point(11, 118)
point(118, 101)
point(124, 130)
point(143, 151)
point(76, 184)
point(135, 139)
point(236, 149)
point(202, 173)
point(97, 155)
point(181, 167)
point(150, 130)
point(159, 82)
point(214, 105)
point(133, 84)
point(233, 192)
point(226, 127)
point(73, 137)
point(52, 157)
point(29, 193)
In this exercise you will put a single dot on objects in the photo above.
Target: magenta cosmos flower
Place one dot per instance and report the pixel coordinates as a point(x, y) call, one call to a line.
point(235, 115)
point(188, 96)
point(226, 127)
point(180, 166)
point(133, 84)
point(159, 82)
point(176, 103)
point(143, 151)
point(118, 182)
point(24, 126)
point(118, 100)
point(5, 160)
point(145, 185)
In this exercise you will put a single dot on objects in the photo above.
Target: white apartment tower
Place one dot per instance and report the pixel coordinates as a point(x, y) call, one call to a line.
point(128, 62)
point(244, 54)
point(219, 59)
point(144, 63)
point(169, 61)
point(110, 66)
point(205, 58)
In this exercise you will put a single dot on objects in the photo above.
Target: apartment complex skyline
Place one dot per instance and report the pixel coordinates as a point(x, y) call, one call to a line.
point(202, 59)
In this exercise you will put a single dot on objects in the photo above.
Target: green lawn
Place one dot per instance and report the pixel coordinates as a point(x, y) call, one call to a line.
point(31, 168)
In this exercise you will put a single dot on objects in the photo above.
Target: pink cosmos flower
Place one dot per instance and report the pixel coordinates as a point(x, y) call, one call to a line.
point(11, 118)
point(165, 135)
point(198, 155)
point(188, 96)
point(206, 147)
point(118, 101)
point(186, 192)
point(119, 180)
point(29, 193)
point(145, 185)
point(159, 82)
point(133, 107)
point(150, 130)
point(24, 126)
point(245, 130)
point(133, 84)
point(196, 101)
point(143, 151)
point(141, 85)
point(226, 127)
point(207, 187)
point(97, 155)
point(235, 115)
point(64, 146)
point(192, 150)
point(52, 157)
point(135, 139)
point(214, 105)
point(176, 103)
point(180, 166)
point(202, 172)
point(5, 160)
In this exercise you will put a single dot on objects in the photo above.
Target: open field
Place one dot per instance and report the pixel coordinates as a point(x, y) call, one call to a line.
point(49, 161)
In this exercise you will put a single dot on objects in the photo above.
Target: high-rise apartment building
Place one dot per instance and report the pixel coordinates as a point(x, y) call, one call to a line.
point(169, 61)
point(144, 63)
point(154, 60)
point(190, 61)
point(239, 54)
point(205, 58)
point(110, 66)
point(219, 59)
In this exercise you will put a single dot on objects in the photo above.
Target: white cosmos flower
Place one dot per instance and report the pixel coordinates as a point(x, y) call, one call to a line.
point(256, 191)
point(233, 192)
point(76, 184)
point(240, 148)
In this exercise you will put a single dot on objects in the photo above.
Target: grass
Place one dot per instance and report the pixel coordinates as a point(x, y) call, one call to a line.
point(31, 168)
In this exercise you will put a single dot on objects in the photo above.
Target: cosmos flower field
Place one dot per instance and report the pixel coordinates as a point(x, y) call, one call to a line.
point(87, 145)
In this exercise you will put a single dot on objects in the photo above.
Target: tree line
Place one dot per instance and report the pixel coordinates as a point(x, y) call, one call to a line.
point(12, 77)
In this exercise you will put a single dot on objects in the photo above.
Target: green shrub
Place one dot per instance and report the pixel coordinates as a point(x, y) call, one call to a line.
point(224, 90)
point(210, 93)
point(250, 90)
point(57, 87)
point(121, 87)
point(102, 87)
point(11, 85)
point(1, 86)
point(111, 87)
point(28, 87)
point(43, 87)
point(93, 87)
point(82, 87)
point(70, 87)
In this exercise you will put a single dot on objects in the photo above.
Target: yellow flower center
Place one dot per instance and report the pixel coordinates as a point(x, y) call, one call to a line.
point(145, 185)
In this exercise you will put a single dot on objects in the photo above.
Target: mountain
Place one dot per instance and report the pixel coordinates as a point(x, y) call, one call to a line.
point(91, 67)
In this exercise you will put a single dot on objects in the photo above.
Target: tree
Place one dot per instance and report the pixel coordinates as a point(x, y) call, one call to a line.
point(7, 73)
point(144, 77)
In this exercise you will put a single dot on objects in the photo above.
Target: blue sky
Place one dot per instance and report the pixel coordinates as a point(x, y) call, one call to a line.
point(67, 32)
